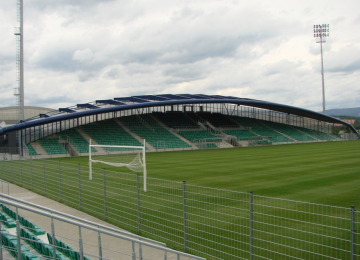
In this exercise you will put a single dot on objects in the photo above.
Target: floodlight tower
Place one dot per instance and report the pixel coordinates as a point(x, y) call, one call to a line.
point(321, 31)
point(19, 91)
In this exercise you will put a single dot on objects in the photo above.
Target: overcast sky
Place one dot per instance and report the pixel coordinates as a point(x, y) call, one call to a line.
point(77, 51)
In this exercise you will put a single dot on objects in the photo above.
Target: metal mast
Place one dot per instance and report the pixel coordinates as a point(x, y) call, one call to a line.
point(321, 31)
point(19, 91)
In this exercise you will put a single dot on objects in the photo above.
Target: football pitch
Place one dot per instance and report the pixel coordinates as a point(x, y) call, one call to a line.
point(324, 173)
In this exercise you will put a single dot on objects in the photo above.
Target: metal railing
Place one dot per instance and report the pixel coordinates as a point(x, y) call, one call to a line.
point(93, 239)
point(213, 223)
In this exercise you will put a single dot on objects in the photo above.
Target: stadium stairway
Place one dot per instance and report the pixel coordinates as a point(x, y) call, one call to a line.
point(174, 133)
point(149, 146)
point(87, 137)
point(307, 133)
point(276, 130)
point(310, 133)
point(38, 148)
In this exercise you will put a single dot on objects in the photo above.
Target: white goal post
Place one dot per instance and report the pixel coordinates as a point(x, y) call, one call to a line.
point(132, 157)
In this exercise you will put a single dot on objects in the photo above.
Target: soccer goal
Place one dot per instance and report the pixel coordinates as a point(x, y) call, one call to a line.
point(132, 157)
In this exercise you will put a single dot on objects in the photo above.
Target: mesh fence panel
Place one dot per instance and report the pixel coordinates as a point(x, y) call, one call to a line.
point(289, 229)
point(214, 223)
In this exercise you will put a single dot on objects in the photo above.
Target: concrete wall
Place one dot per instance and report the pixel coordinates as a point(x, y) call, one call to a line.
point(10, 114)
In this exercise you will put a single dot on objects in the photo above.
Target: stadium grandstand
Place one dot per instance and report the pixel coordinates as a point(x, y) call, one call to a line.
point(169, 121)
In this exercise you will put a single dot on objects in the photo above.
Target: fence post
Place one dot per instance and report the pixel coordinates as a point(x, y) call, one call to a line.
point(53, 237)
point(138, 202)
point(31, 175)
point(352, 212)
point(18, 235)
point(60, 181)
point(44, 176)
point(20, 171)
point(133, 251)
point(11, 167)
point(81, 250)
point(1, 245)
point(79, 186)
point(99, 245)
point(251, 217)
point(184, 209)
point(105, 209)
point(138, 209)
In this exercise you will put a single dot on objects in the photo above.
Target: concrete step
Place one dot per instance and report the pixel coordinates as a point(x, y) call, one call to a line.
point(38, 148)
point(193, 146)
point(88, 137)
point(149, 146)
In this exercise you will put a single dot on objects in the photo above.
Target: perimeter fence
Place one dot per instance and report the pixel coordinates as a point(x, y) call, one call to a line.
point(208, 222)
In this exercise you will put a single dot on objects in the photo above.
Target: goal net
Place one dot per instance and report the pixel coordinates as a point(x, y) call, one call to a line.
point(132, 157)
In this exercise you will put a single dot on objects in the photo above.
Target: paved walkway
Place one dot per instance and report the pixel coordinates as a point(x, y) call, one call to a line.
point(112, 248)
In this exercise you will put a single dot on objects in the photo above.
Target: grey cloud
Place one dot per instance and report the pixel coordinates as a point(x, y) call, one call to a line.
point(346, 59)
point(146, 47)
point(113, 73)
point(42, 4)
point(184, 72)
point(187, 13)
point(349, 68)
point(281, 67)
point(35, 100)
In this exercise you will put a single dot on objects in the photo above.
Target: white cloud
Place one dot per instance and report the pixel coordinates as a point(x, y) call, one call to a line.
point(79, 51)
point(83, 55)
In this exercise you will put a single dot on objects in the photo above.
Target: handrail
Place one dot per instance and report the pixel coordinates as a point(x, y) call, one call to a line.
point(124, 237)
point(52, 211)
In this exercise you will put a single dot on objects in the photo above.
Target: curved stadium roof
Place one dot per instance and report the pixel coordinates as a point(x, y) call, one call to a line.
point(136, 102)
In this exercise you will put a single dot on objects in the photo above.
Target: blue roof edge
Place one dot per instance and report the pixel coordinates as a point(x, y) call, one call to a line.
point(237, 101)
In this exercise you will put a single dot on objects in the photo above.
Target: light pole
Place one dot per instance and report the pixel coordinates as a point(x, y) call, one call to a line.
point(321, 31)
point(19, 92)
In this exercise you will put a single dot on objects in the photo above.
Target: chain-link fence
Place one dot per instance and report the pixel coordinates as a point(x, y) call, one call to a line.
point(213, 223)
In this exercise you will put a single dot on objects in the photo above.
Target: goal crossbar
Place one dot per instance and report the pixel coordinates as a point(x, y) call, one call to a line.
point(136, 164)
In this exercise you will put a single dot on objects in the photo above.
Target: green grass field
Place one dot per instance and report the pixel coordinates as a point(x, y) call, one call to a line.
point(325, 173)
point(218, 220)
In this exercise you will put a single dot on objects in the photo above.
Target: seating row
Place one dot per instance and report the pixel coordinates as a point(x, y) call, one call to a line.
point(240, 134)
point(177, 120)
point(77, 140)
point(217, 119)
point(109, 132)
point(65, 249)
point(261, 129)
point(196, 135)
point(6, 220)
point(31, 150)
point(11, 244)
point(154, 133)
point(291, 131)
point(52, 146)
point(262, 142)
point(40, 246)
point(23, 221)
